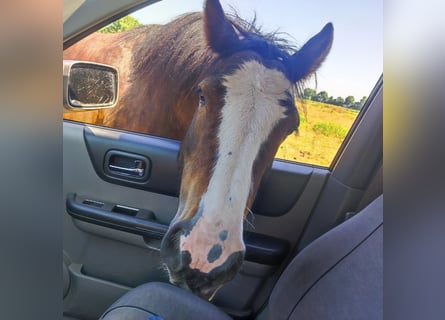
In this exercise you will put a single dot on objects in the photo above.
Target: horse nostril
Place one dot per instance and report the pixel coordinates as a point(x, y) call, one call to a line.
point(170, 253)
point(236, 260)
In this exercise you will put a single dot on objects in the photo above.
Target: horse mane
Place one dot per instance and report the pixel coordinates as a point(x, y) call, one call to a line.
point(180, 49)
point(183, 41)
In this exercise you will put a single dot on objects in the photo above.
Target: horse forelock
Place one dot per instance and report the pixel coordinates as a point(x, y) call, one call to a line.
point(269, 44)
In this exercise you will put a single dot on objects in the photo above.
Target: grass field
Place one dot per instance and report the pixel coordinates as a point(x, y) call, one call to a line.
point(322, 129)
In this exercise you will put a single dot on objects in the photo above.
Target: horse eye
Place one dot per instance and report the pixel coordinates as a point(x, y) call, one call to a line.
point(202, 100)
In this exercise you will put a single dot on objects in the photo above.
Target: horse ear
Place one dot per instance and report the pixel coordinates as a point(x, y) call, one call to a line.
point(309, 58)
point(219, 32)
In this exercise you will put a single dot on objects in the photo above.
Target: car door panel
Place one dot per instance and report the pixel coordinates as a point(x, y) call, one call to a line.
point(105, 260)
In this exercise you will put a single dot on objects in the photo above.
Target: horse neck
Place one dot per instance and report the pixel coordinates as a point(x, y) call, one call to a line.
point(169, 64)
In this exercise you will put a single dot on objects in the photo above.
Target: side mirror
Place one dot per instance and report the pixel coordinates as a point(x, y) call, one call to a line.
point(89, 85)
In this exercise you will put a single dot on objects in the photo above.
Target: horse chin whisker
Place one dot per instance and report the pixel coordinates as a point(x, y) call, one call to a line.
point(250, 216)
point(163, 268)
point(212, 296)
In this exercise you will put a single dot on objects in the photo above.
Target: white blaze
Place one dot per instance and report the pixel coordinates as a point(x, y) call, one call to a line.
point(251, 111)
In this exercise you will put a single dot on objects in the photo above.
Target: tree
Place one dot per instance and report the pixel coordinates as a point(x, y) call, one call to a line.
point(349, 101)
point(322, 96)
point(363, 101)
point(339, 101)
point(123, 24)
point(356, 106)
point(309, 93)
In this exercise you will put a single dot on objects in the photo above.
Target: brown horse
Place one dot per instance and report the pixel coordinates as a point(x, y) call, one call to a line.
point(226, 91)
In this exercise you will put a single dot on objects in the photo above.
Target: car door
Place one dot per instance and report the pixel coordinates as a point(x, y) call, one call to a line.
point(115, 218)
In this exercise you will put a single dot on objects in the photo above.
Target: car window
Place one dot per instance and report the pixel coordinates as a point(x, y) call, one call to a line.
point(328, 103)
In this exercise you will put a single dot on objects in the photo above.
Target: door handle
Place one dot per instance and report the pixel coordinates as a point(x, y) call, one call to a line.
point(137, 170)
point(126, 166)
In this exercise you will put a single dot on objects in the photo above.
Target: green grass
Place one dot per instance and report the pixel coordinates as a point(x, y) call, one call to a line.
point(322, 130)
point(330, 129)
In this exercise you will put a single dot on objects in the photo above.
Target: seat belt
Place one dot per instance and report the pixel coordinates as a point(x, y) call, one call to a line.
point(374, 189)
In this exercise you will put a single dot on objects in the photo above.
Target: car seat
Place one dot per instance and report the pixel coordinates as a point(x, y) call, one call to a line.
point(337, 276)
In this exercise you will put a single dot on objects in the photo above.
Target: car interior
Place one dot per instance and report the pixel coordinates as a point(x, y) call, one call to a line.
point(313, 241)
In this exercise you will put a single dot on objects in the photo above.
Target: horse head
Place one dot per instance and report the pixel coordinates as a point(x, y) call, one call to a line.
point(245, 108)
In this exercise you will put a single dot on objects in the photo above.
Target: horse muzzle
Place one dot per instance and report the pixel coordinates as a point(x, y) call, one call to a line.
point(197, 271)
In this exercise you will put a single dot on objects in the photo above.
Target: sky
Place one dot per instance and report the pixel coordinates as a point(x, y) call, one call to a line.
point(355, 61)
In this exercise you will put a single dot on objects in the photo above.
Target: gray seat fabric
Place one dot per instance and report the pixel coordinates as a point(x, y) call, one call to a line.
point(338, 276)
point(155, 300)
